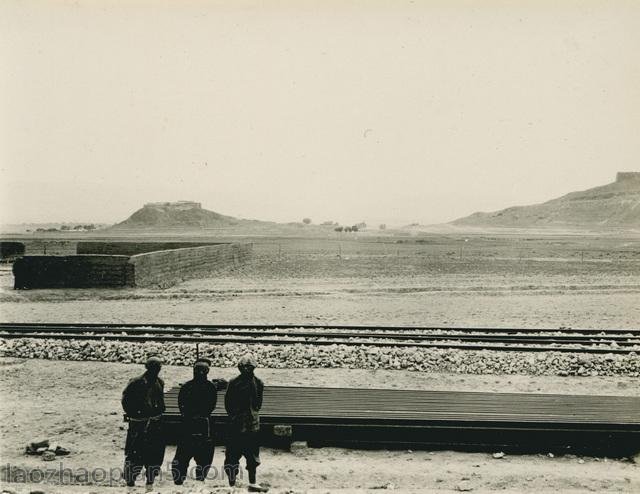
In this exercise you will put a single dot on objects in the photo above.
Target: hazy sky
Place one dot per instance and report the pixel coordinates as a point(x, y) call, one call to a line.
point(379, 111)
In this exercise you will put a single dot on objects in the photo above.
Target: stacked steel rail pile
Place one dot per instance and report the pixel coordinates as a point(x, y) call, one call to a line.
point(520, 422)
point(502, 339)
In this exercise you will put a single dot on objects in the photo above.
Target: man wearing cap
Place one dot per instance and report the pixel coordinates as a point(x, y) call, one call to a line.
point(143, 403)
point(197, 400)
point(243, 401)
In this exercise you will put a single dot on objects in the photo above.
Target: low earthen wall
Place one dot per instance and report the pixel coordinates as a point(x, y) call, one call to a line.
point(133, 248)
point(165, 268)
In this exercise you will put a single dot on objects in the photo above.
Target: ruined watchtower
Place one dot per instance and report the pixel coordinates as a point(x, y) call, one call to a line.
point(627, 176)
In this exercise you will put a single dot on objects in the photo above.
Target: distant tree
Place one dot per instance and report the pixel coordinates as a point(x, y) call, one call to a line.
point(65, 227)
point(354, 228)
point(78, 227)
point(347, 228)
point(90, 227)
point(338, 229)
point(382, 226)
point(306, 221)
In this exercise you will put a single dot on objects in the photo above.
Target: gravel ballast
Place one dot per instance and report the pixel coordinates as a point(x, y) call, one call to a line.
point(297, 356)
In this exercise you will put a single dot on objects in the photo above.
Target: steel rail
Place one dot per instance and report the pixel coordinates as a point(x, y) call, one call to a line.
point(308, 336)
point(292, 340)
point(401, 403)
point(311, 335)
point(312, 332)
point(216, 327)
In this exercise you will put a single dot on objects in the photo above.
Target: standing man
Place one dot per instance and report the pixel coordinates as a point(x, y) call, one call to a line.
point(143, 403)
point(197, 400)
point(243, 401)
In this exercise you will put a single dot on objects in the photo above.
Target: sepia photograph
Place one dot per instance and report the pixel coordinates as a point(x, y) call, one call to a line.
point(303, 246)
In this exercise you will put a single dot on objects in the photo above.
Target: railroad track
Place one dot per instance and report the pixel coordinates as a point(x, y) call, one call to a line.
point(501, 339)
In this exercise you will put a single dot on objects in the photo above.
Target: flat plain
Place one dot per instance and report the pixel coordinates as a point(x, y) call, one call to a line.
point(515, 280)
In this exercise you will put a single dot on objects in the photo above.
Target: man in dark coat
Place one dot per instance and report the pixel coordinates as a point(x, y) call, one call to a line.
point(143, 403)
point(197, 400)
point(243, 401)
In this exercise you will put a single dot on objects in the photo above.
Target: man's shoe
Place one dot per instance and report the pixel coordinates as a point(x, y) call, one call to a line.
point(257, 488)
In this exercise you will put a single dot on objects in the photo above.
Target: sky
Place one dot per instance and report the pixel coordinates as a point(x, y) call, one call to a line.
point(394, 112)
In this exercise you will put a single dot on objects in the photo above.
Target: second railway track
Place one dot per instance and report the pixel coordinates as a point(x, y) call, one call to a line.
point(497, 339)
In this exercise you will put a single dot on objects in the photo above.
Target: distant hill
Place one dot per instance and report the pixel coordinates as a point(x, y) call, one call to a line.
point(180, 215)
point(615, 205)
point(190, 217)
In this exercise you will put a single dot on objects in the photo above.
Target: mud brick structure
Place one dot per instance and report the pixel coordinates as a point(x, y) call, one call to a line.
point(627, 176)
point(72, 272)
point(175, 206)
point(160, 268)
point(49, 247)
point(167, 267)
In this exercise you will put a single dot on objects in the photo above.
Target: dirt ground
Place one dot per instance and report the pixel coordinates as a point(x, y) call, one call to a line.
point(521, 282)
point(36, 404)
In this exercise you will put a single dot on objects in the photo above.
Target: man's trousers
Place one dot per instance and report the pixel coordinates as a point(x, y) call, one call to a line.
point(196, 442)
point(144, 447)
point(241, 444)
